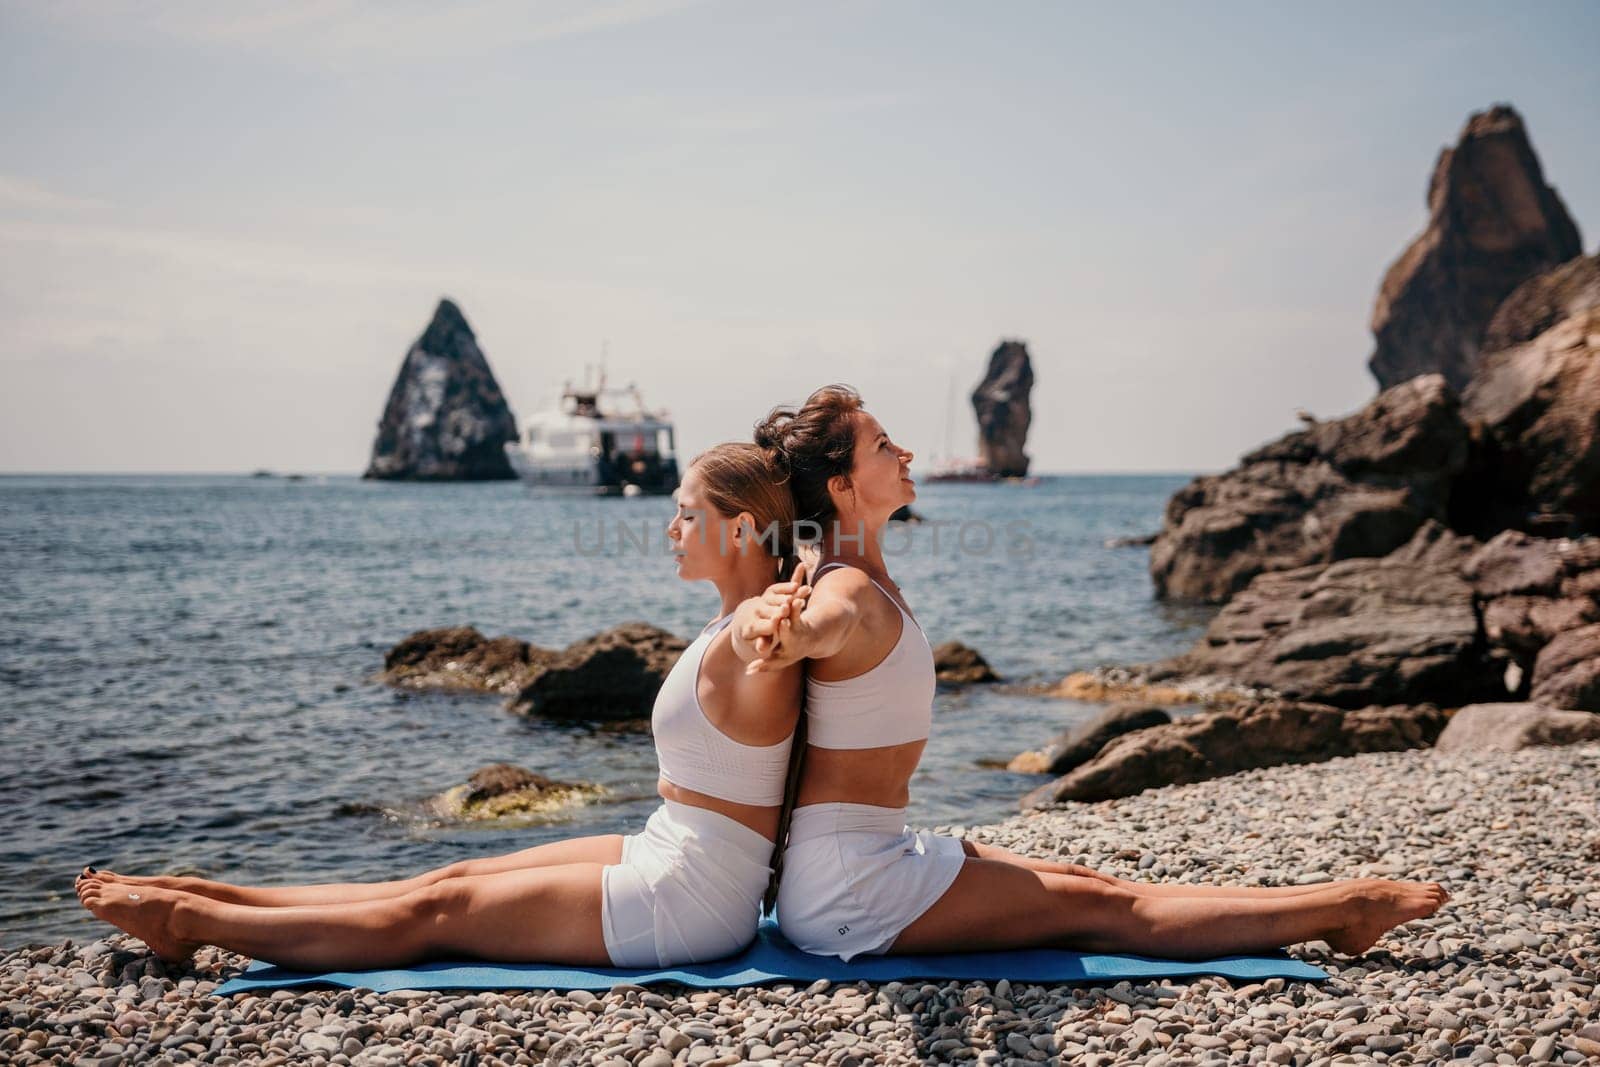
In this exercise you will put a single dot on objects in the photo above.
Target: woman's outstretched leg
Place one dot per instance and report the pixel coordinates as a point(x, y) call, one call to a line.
point(1000, 905)
point(543, 913)
point(603, 849)
point(1168, 889)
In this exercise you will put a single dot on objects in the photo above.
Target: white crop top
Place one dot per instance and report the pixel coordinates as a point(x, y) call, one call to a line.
point(891, 704)
point(696, 755)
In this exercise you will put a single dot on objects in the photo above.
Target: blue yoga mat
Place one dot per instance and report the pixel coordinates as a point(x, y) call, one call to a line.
point(770, 958)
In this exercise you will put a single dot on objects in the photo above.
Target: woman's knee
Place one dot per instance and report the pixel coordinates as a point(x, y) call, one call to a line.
point(1090, 906)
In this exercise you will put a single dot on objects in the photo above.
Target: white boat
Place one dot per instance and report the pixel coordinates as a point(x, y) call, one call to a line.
point(601, 440)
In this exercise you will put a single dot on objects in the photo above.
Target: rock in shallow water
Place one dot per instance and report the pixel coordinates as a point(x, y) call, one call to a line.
point(1080, 744)
point(956, 664)
point(612, 676)
point(503, 790)
point(461, 658)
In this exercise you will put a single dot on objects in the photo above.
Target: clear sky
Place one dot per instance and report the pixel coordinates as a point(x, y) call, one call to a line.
point(222, 225)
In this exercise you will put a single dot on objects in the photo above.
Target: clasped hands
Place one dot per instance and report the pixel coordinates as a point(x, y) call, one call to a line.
point(775, 626)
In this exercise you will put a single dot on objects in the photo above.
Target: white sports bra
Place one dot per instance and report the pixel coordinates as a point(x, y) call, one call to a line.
point(696, 755)
point(891, 704)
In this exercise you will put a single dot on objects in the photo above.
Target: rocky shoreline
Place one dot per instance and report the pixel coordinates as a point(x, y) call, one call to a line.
point(1505, 973)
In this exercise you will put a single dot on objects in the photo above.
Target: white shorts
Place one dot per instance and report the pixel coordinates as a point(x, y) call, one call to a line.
point(855, 876)
point(688, 889)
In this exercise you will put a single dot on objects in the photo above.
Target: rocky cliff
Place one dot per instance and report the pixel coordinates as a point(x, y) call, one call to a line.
point(1001, 403)
point(446, 419)
point(1493, 223)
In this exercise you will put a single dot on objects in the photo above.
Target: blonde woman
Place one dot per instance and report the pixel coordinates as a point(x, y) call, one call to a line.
point(685, 889)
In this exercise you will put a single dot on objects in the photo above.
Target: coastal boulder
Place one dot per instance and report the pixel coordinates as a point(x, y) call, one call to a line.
point(1566, 673)
point(956, 664)
point(1493, 223)
point(1536, 463)
point(1544, 300)
point(1359, 486)
point(613, 676)
point(1529, 591)
point(1001, 404)
point(1396, 630)
point(1227, 741)
point(1079, 745)
point(1508, 727)
point(461, 658)
point(446, 419)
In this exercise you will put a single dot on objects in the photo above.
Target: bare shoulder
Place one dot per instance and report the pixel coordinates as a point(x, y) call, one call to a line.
point(849, 583)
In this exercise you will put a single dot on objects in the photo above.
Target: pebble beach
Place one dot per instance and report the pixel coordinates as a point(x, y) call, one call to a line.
point(1504, 973)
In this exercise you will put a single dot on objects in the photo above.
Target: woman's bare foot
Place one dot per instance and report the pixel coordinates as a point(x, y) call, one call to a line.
point(1378, 905)
point(145, 912)
point(158, 881)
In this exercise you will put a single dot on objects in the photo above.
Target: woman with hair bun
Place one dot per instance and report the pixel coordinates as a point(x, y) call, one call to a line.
point(688, 888)
point(856, 880)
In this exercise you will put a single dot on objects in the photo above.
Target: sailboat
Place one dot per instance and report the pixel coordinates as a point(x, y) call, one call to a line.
point(947, 468)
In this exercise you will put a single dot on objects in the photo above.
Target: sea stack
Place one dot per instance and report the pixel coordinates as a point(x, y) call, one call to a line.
point(446, 419)
point(1001, 404)
point(1493, 223)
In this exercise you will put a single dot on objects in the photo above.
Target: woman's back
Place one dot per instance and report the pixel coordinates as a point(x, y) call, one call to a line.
point(723, 737)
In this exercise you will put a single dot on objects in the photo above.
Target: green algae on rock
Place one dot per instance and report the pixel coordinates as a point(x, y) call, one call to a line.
point(503, 791)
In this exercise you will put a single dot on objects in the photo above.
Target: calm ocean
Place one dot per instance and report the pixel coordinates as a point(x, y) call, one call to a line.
point(185, 662)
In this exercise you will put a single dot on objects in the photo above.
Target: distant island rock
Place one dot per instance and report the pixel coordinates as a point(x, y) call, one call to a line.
point(1493, 223)
point(446, 419)
point(1001, 404)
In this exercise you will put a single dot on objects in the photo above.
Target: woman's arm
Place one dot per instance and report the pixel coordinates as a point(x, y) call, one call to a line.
point(806, 623)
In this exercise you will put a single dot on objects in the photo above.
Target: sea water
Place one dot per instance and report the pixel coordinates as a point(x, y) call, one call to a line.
point(187, 662)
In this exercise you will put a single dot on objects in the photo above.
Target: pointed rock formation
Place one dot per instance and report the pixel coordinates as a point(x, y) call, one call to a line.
point(1001, 403)
point(1493, 223)
point(446, 419)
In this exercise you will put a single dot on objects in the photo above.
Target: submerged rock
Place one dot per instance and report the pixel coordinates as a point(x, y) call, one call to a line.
point(1001, 404)
point(461, 658)
point(503, 790)
point(956, 664)
point(1359, 486)
point(1397, 630)
point(1079, 745)
point(1509, 727)
point(1493, 223)
point(612, 676)
point(1226, 741)
point(446, 419)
